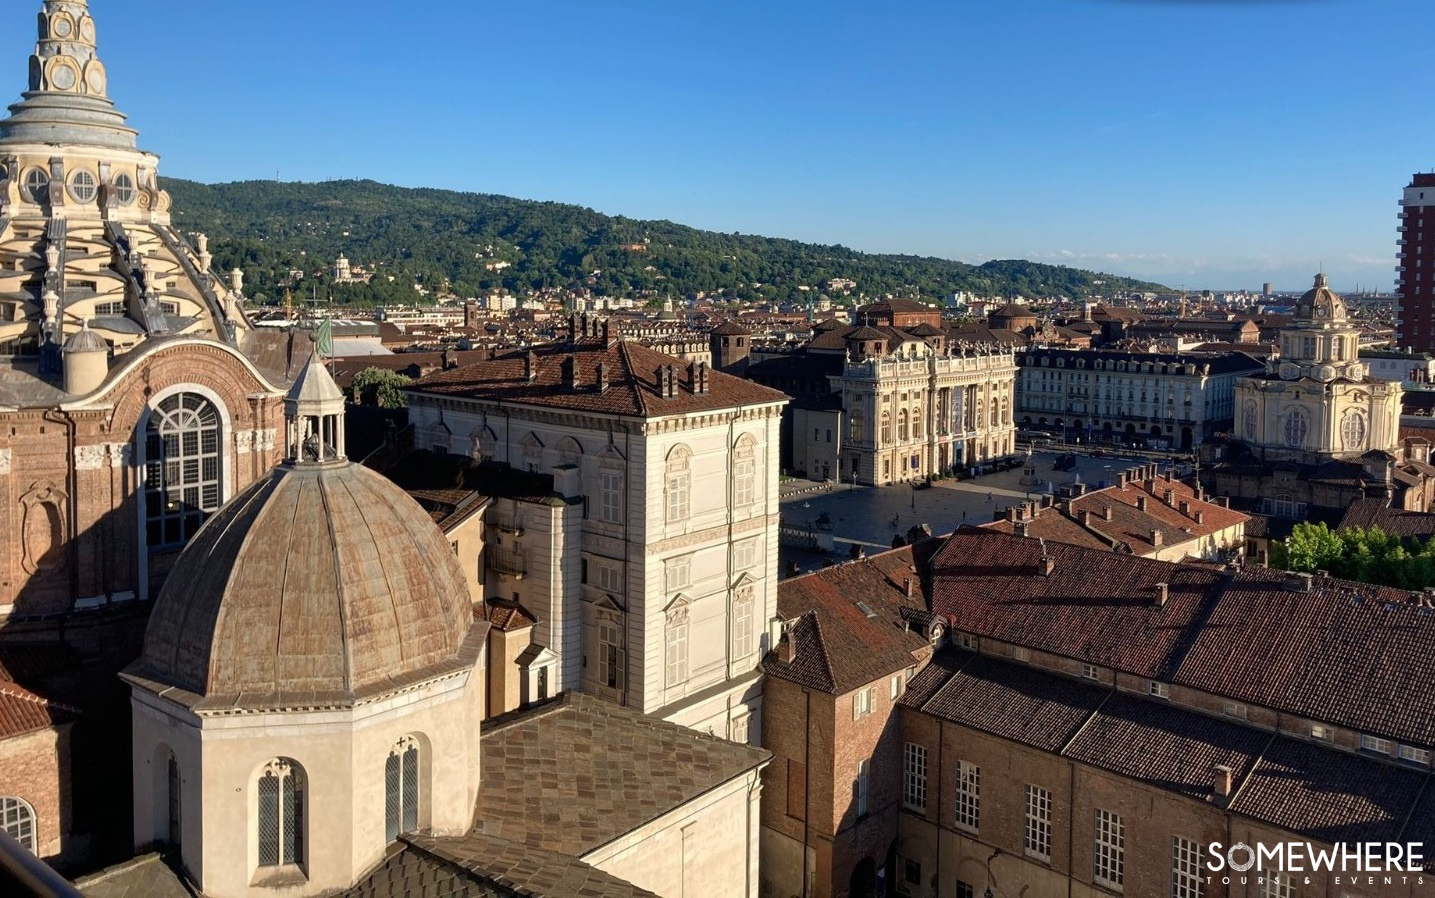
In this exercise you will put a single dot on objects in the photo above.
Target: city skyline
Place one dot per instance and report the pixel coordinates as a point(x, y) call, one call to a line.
point(1073, 132)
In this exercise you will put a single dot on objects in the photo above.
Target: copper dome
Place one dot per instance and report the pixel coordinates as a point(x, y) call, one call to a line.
point(317, 585)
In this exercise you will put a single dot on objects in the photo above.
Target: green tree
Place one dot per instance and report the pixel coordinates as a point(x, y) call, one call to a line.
point(381, 387)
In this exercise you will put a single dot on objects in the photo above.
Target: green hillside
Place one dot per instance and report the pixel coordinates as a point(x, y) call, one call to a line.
point(445, 239)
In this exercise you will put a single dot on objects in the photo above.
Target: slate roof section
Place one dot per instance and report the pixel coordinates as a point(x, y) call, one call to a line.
point(630, 369)
point(838, 646)
point(479, 866)
point(147, 876)
point(1396, 521)
point(1332, 796)
point(1013, 701)
point(574, 773)
point(1165, 746)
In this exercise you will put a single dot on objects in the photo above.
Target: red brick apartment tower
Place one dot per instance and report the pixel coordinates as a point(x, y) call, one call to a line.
point(1415, 283)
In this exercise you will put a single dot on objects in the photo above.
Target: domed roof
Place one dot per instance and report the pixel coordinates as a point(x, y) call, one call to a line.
point(86, 340)
point(1012, 311)
point(731, 328)
point(1320, 303)
point(320, 583)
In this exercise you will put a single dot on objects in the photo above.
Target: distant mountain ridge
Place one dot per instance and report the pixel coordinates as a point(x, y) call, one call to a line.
point(472, 243)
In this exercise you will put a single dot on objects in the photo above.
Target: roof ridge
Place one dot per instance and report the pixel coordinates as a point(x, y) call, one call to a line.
point(15, 690)
point(632, 378)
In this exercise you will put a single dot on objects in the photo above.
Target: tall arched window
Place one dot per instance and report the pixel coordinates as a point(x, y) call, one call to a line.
point(902, 426)
point(679, 484)
point(744, 471)
point(1250, 420)
point(182, 469)
point(18, 819)
point(401, 788)
point(886, 432)
point(172, 778)
point(281, 813)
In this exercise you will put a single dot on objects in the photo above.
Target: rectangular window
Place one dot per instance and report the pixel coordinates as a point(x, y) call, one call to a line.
point(1090, 672)
point(744, 554)
point(1375, 743)
point(861, 786)
point(610, 656)
point(678, 496)
point(1417, 755)
point(1038, 822)
point(862, 702)
point(609, 579)
point(1160, 690)
point(740, 733)
point(1234, 709)
point(969, 783)
point(1185, 868)
point(1020, 653)
point(611, 506)
point(1109, 858)
point(914, 792)
point(744, 480)
point(742, 629)
point(968, 641)
point(1276, 885)
point(896, 687)
point(1322, 732)
point(912, 872)
point(677, 653)
point(678, 573)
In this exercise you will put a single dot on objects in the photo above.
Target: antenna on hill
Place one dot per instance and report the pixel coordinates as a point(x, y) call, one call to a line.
point(276, 174)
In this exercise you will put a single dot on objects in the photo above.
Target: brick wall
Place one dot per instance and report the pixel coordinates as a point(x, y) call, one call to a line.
point(35, 767)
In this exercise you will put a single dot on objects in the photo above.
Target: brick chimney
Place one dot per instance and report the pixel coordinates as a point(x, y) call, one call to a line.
point(1140, 503)
point(601, 374)
point(1109, 512)
point(907, 586)
point(1224, 780)
point(1021, 528)
point(1156, 539)
point(530, 366)
point(1048, 565)
point(1185, 508)
point(1200, 517)
point(1085, 518)
point(570, 372)
point(1163, 594)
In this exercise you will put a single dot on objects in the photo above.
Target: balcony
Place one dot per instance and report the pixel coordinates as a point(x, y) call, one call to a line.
point(507, 561)
point(507, 522)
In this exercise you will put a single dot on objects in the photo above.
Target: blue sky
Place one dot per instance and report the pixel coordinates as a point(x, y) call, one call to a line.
point(1200, 143)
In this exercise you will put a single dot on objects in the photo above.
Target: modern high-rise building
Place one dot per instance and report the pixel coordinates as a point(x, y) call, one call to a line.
point(1415, 327)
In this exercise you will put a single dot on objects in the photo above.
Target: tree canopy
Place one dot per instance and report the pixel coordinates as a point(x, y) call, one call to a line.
point(1369, 555)
point(380, 387)
point(289, 235)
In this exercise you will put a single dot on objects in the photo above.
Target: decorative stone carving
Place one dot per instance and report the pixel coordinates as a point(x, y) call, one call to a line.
point(265, 439)
point(5, 461)
point(90, 458)
point(119, 454)
point(42, 528)
point(244, 442)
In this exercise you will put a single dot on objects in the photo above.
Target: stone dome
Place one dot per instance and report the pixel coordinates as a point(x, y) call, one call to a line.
point(1320, 303)
point(317, 585)
point(86, 340)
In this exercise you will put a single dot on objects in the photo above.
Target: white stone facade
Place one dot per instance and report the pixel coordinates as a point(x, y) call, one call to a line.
point(655, 587)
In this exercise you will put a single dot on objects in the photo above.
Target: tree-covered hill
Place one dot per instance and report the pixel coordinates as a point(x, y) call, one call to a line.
point(471, 243)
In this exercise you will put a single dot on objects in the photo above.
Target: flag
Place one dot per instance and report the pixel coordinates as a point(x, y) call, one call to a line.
point(324, 336)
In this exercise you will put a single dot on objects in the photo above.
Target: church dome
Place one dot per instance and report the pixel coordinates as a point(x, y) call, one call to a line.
point(320, 584)
point(1320, 303)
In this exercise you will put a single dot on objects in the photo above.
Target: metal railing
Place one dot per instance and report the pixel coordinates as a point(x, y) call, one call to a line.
point(24, 875)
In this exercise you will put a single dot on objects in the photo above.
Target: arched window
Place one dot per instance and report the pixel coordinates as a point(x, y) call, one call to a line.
point(676, 646)
point(18, 819)
point(886, 432)
point(742, 628)
point(679, 484)
point(569, 451)
point(857, 428)
point(182, 469)
point(1250, 420)
point(1352, 430)
point(1296, 428)
point(281, 813)
point(902, 426)
point(482, 443)
point(401, 788)
point(172, 779)
point(37, 185)
point(744, 471)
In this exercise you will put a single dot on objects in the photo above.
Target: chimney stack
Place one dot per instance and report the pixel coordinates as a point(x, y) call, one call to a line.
point(1200, 517)
point(1021, 528)
point(907, 586)
point(1185, 508)
point(786, 650)
point(1163, 594)
point(703, 376)
point(1121, 479)
point(1048, 565)
point(1108, 513)
point(530, 366)
point(1085, 518)
point(570, 372)
point(601, 374)
point(1156, 539)
point(1140, 503)
point(1224, 780)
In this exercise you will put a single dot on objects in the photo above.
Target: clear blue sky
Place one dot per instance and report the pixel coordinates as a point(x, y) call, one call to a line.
point(1202, 143)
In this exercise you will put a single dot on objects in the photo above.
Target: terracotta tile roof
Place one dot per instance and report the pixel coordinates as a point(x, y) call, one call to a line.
point(1166, 746)
point(1396, 521)
point(1097, 606)
point(600, 769)
point(632, 382)
point(507, 616)
point(1012, 701)
point(22, 711)
point(838, 645)
point(1345, 653)
point(1332, 796)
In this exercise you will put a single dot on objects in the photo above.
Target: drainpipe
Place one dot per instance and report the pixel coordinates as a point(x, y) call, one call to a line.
point(1070, 828)
point(806, 788)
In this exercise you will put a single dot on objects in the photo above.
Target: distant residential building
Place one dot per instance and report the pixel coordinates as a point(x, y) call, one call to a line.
point(1409, 369)
point(1415, 293)
point(1159, 400)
